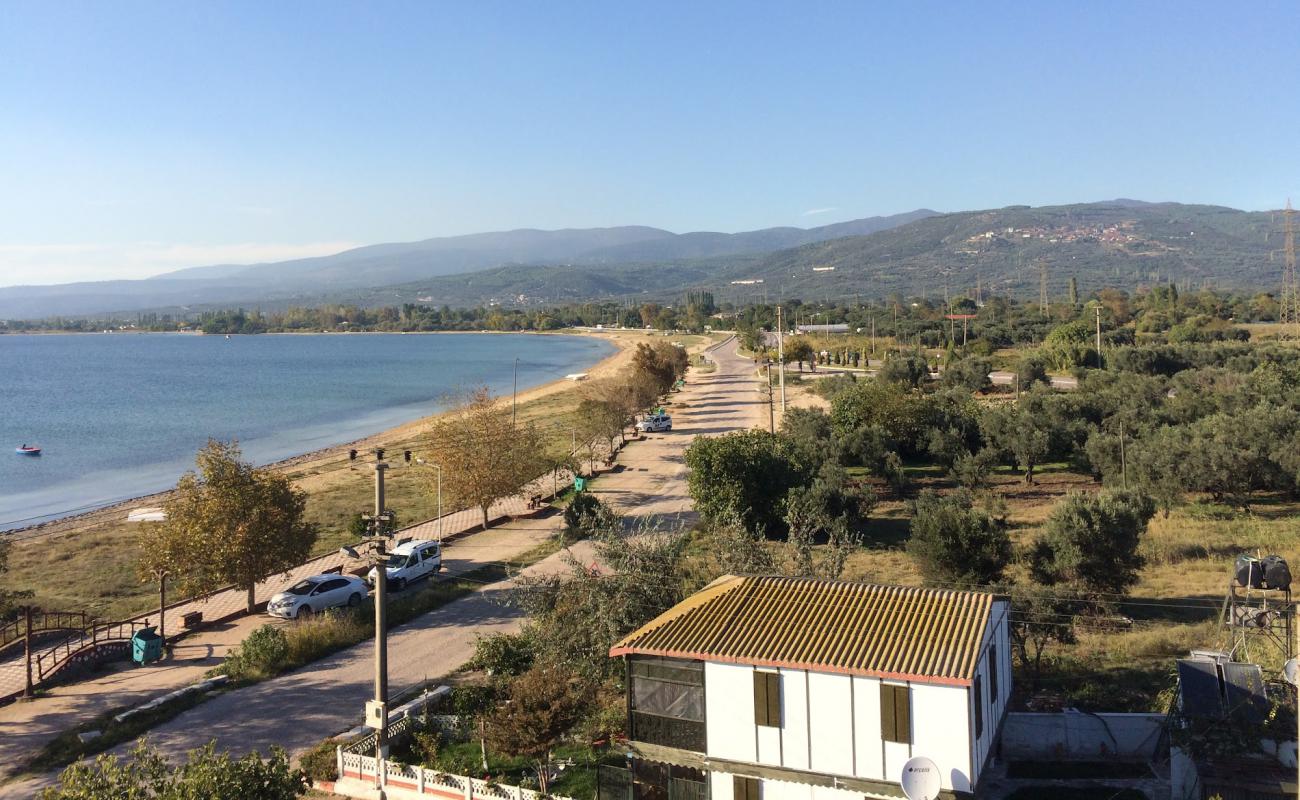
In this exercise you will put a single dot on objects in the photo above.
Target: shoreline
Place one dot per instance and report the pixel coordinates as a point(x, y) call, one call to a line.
point(406, 430)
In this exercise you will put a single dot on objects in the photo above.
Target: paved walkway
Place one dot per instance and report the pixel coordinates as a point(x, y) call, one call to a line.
point(299, 709)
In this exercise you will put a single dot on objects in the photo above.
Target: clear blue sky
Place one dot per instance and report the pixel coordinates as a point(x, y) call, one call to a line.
point(136, 137)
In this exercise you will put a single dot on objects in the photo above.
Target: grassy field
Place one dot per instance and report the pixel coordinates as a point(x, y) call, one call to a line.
point(1174, 607)
point(89, 563)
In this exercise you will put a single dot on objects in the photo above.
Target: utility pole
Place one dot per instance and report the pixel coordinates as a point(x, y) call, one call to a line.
point(1123, 462)
point(1042, 287)
point(873, 337)
point(1097, 309)
point(377, 714)
point(780, 355)
point(771, 414)
point(27, 650)
point(514, 397)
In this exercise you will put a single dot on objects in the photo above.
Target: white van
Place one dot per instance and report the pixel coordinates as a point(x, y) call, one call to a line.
point(410, 561)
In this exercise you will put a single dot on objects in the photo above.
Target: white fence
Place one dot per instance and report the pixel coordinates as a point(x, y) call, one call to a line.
point(360, 775)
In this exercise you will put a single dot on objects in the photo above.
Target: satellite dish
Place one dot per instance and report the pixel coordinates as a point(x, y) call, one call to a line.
point(920, 779)
point(1291, 671)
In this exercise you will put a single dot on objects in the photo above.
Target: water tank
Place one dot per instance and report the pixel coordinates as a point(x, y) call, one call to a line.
point(1249, 572)
point(1277, 575)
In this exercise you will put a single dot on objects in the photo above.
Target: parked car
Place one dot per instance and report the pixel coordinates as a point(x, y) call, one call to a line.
point(655, 423)
point(317, 593)
point(410, 561)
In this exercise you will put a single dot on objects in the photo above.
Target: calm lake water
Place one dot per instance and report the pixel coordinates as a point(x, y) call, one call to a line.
point(120, 415)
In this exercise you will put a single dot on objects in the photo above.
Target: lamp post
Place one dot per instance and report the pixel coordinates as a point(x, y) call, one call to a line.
point(161, 574)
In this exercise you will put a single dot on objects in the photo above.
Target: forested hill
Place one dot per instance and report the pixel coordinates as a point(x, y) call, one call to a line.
point(1120, 243)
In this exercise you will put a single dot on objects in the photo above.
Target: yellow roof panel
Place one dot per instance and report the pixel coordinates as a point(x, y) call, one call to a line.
point(897, 632)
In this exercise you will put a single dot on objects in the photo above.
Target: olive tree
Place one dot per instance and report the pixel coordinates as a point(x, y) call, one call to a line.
point(743, 476)
point(229, 522)
point(1091, 541)
point(955, 543)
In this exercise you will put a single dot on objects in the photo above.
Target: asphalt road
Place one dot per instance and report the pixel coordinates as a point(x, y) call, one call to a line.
point(297, 710)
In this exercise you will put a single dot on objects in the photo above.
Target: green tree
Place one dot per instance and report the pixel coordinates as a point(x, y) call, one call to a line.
point(483, 456)
point(1041, 616)
point(970, 373)
point(955, 543)
point(1015, 431)
point(905, 369)
point(543, 705)
point(229, 522)
point(1070, 345)
point(1031, 368)
point(207, 775)
point(798, 349)
point(743, 476)
point(1091, 541)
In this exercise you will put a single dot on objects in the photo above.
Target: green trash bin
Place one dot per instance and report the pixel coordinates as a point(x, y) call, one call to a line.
point(146, 646)
point(579, 484)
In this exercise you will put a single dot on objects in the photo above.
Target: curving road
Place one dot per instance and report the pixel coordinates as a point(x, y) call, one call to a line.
point(297, 710)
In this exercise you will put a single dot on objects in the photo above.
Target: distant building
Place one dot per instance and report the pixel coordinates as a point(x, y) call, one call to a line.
point(834, 327)
point(776, 688)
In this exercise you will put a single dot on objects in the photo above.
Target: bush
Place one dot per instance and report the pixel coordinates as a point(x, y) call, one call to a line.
point(586, 516)
point(503, 655)
point(1091, 541)
point(263, 653)
point(744, 476)
point(321, 763)
point(955, 543)
point(312, 638)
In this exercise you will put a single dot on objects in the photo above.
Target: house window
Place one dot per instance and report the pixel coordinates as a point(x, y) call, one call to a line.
point(993, 673)
point(747, 789)
point(978, 696)
point(666, 702)
point(895, 713)
point(767, 699)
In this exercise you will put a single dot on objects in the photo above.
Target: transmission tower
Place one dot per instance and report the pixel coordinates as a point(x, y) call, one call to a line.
point(1290, 300)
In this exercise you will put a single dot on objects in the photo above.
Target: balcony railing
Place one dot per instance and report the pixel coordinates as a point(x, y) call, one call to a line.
point(683, 734)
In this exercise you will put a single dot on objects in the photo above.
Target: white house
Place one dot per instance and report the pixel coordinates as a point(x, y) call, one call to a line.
point(775, 688)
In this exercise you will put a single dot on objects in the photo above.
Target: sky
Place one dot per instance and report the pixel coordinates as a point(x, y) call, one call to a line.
point(139, 137)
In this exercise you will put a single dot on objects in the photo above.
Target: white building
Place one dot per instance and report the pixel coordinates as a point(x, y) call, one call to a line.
point(772, 688)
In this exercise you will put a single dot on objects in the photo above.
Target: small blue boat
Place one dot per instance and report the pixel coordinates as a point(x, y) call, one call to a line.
point(27, 450)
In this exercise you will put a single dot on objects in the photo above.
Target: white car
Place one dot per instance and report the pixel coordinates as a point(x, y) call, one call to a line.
point(410, 561)
point(655, 423)
point(317, 593)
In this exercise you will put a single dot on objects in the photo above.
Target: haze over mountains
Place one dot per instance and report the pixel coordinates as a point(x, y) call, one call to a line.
point(1123, 243)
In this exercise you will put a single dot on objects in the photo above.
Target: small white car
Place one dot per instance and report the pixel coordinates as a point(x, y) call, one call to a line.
point(655, 423)
point(409, 562)
point(317, 593)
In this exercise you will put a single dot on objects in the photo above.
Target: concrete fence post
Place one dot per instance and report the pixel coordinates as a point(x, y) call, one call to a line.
point(338, 760)
point(419, 779)
point(469, 788)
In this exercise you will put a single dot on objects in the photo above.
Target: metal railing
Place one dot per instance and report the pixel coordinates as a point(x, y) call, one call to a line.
point(114, 633)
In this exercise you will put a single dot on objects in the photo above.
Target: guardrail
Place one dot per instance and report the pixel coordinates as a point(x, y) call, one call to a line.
point(44, 622)
point(359, 775)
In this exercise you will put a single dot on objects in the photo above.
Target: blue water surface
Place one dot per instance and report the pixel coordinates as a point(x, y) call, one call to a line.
point(120, 415)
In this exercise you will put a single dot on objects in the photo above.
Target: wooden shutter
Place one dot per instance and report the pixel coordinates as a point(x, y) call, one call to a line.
point(767, 699)
point(745, 788)
point(978, 697)
point(993, 673)
point(895, 713)
point(773, 699)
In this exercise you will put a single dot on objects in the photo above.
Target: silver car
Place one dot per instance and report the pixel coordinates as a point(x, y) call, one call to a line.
point(317, 593)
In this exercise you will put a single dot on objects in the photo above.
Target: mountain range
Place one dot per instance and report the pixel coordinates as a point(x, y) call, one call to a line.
point(1122, 243)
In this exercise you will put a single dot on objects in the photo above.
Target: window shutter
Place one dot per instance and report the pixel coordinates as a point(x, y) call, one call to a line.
point(993, 674)
point(760, 698)
point(745, 788)
point(903, 713)
point(774, 699)
point(978, 697)
point(888, 720)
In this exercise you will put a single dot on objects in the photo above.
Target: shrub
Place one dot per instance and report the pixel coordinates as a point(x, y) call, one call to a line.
point(263, 653)
point(503, 655)
point(586, 516)
point(321, 763)
point(743, 476)
point(1091, 541)
point(955, 543)
point(310, 639)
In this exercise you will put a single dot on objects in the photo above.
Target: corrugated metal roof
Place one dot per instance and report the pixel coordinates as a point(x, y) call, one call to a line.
point(829, 626)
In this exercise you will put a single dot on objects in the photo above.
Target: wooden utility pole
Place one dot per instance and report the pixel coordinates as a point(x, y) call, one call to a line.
point(1123, 462)
point(380, 531)
point(780, 356)
point(771, 401)
point(1097, 309)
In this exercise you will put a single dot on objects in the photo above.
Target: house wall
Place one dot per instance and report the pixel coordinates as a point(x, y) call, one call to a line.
point(996, 645)
point(831, 725)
